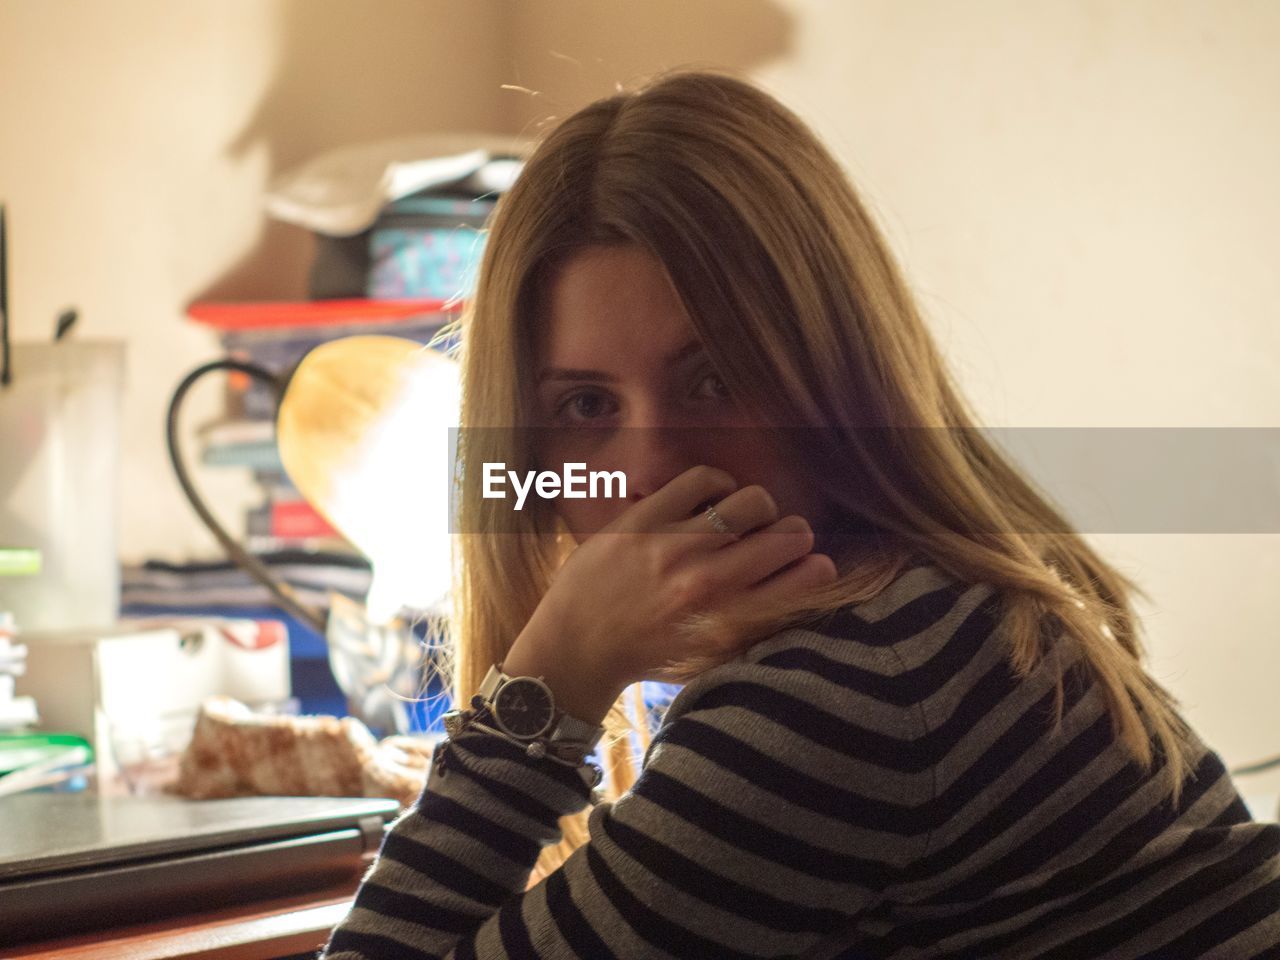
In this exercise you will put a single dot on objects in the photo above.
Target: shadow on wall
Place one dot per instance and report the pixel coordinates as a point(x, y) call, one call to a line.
point(350, 71)
point(566, 53)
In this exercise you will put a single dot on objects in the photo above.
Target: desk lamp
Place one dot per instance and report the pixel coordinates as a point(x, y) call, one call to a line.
point(364, 434)
point(363, 430)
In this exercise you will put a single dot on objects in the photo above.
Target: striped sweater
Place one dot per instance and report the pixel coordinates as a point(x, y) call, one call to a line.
point(879, 785)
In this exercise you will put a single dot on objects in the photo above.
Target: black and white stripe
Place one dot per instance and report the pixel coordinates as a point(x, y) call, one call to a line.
point(878, 783)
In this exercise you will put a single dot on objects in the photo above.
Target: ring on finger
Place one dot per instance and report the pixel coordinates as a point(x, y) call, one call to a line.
point(717, 522)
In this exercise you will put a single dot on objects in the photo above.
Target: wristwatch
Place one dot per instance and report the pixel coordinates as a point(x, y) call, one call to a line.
point(525, 709)
point(525, 713)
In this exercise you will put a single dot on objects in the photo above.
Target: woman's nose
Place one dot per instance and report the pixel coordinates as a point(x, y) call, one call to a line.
point(652, 456)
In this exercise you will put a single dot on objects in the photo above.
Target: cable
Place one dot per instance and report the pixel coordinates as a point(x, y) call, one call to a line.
point(249, 563)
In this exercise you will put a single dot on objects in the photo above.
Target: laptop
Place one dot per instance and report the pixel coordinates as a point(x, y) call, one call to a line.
point(71, 862)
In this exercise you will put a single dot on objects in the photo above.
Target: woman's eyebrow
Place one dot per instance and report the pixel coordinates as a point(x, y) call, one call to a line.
point(567, 373)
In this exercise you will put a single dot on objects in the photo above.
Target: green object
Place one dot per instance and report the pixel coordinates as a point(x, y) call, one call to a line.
point(21, 750)
point(19, 562)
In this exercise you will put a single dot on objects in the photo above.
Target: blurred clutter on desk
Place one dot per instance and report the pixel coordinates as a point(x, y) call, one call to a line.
point(192, 676)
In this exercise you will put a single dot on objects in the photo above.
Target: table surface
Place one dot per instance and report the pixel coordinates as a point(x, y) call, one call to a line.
point(252, 931)
point(265, 929)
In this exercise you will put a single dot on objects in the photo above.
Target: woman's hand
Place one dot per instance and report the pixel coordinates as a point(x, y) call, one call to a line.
point(610, 616)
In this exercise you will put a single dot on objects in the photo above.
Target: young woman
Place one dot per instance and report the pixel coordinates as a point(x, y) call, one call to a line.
point(915, 723)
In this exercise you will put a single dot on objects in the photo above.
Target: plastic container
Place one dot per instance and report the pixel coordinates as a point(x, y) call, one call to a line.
point(59, 464)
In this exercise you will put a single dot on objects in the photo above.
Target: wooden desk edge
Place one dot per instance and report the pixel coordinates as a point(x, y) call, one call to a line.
point(249, 931)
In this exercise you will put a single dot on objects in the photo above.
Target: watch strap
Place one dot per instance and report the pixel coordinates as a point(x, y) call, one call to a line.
point(578, 731)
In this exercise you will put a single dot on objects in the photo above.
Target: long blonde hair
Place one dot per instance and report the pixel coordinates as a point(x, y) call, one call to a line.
point(802, 309)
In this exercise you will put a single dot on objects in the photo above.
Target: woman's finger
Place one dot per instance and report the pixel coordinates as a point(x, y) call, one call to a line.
point(763, 553)
point(674, 502)
point(742, 511)
point(809, 572)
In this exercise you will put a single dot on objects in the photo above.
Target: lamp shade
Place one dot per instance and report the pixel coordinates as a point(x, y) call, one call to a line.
point(364, 434)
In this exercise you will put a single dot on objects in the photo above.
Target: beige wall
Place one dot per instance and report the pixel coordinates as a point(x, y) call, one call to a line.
point(1082, 193)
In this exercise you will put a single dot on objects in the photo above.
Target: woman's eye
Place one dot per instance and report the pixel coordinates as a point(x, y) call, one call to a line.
point(583, 407)
point(711, 387)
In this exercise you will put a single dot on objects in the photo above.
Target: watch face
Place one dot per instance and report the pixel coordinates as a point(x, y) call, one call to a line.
point(524, 707)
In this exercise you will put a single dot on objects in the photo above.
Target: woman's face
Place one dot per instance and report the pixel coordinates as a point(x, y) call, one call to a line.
point(623, 381)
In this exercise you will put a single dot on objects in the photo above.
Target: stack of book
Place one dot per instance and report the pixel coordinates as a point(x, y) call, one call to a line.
point(283, 530)
point(158, 586)
point(275, 336)
point(400, 227)
point(218, 588)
